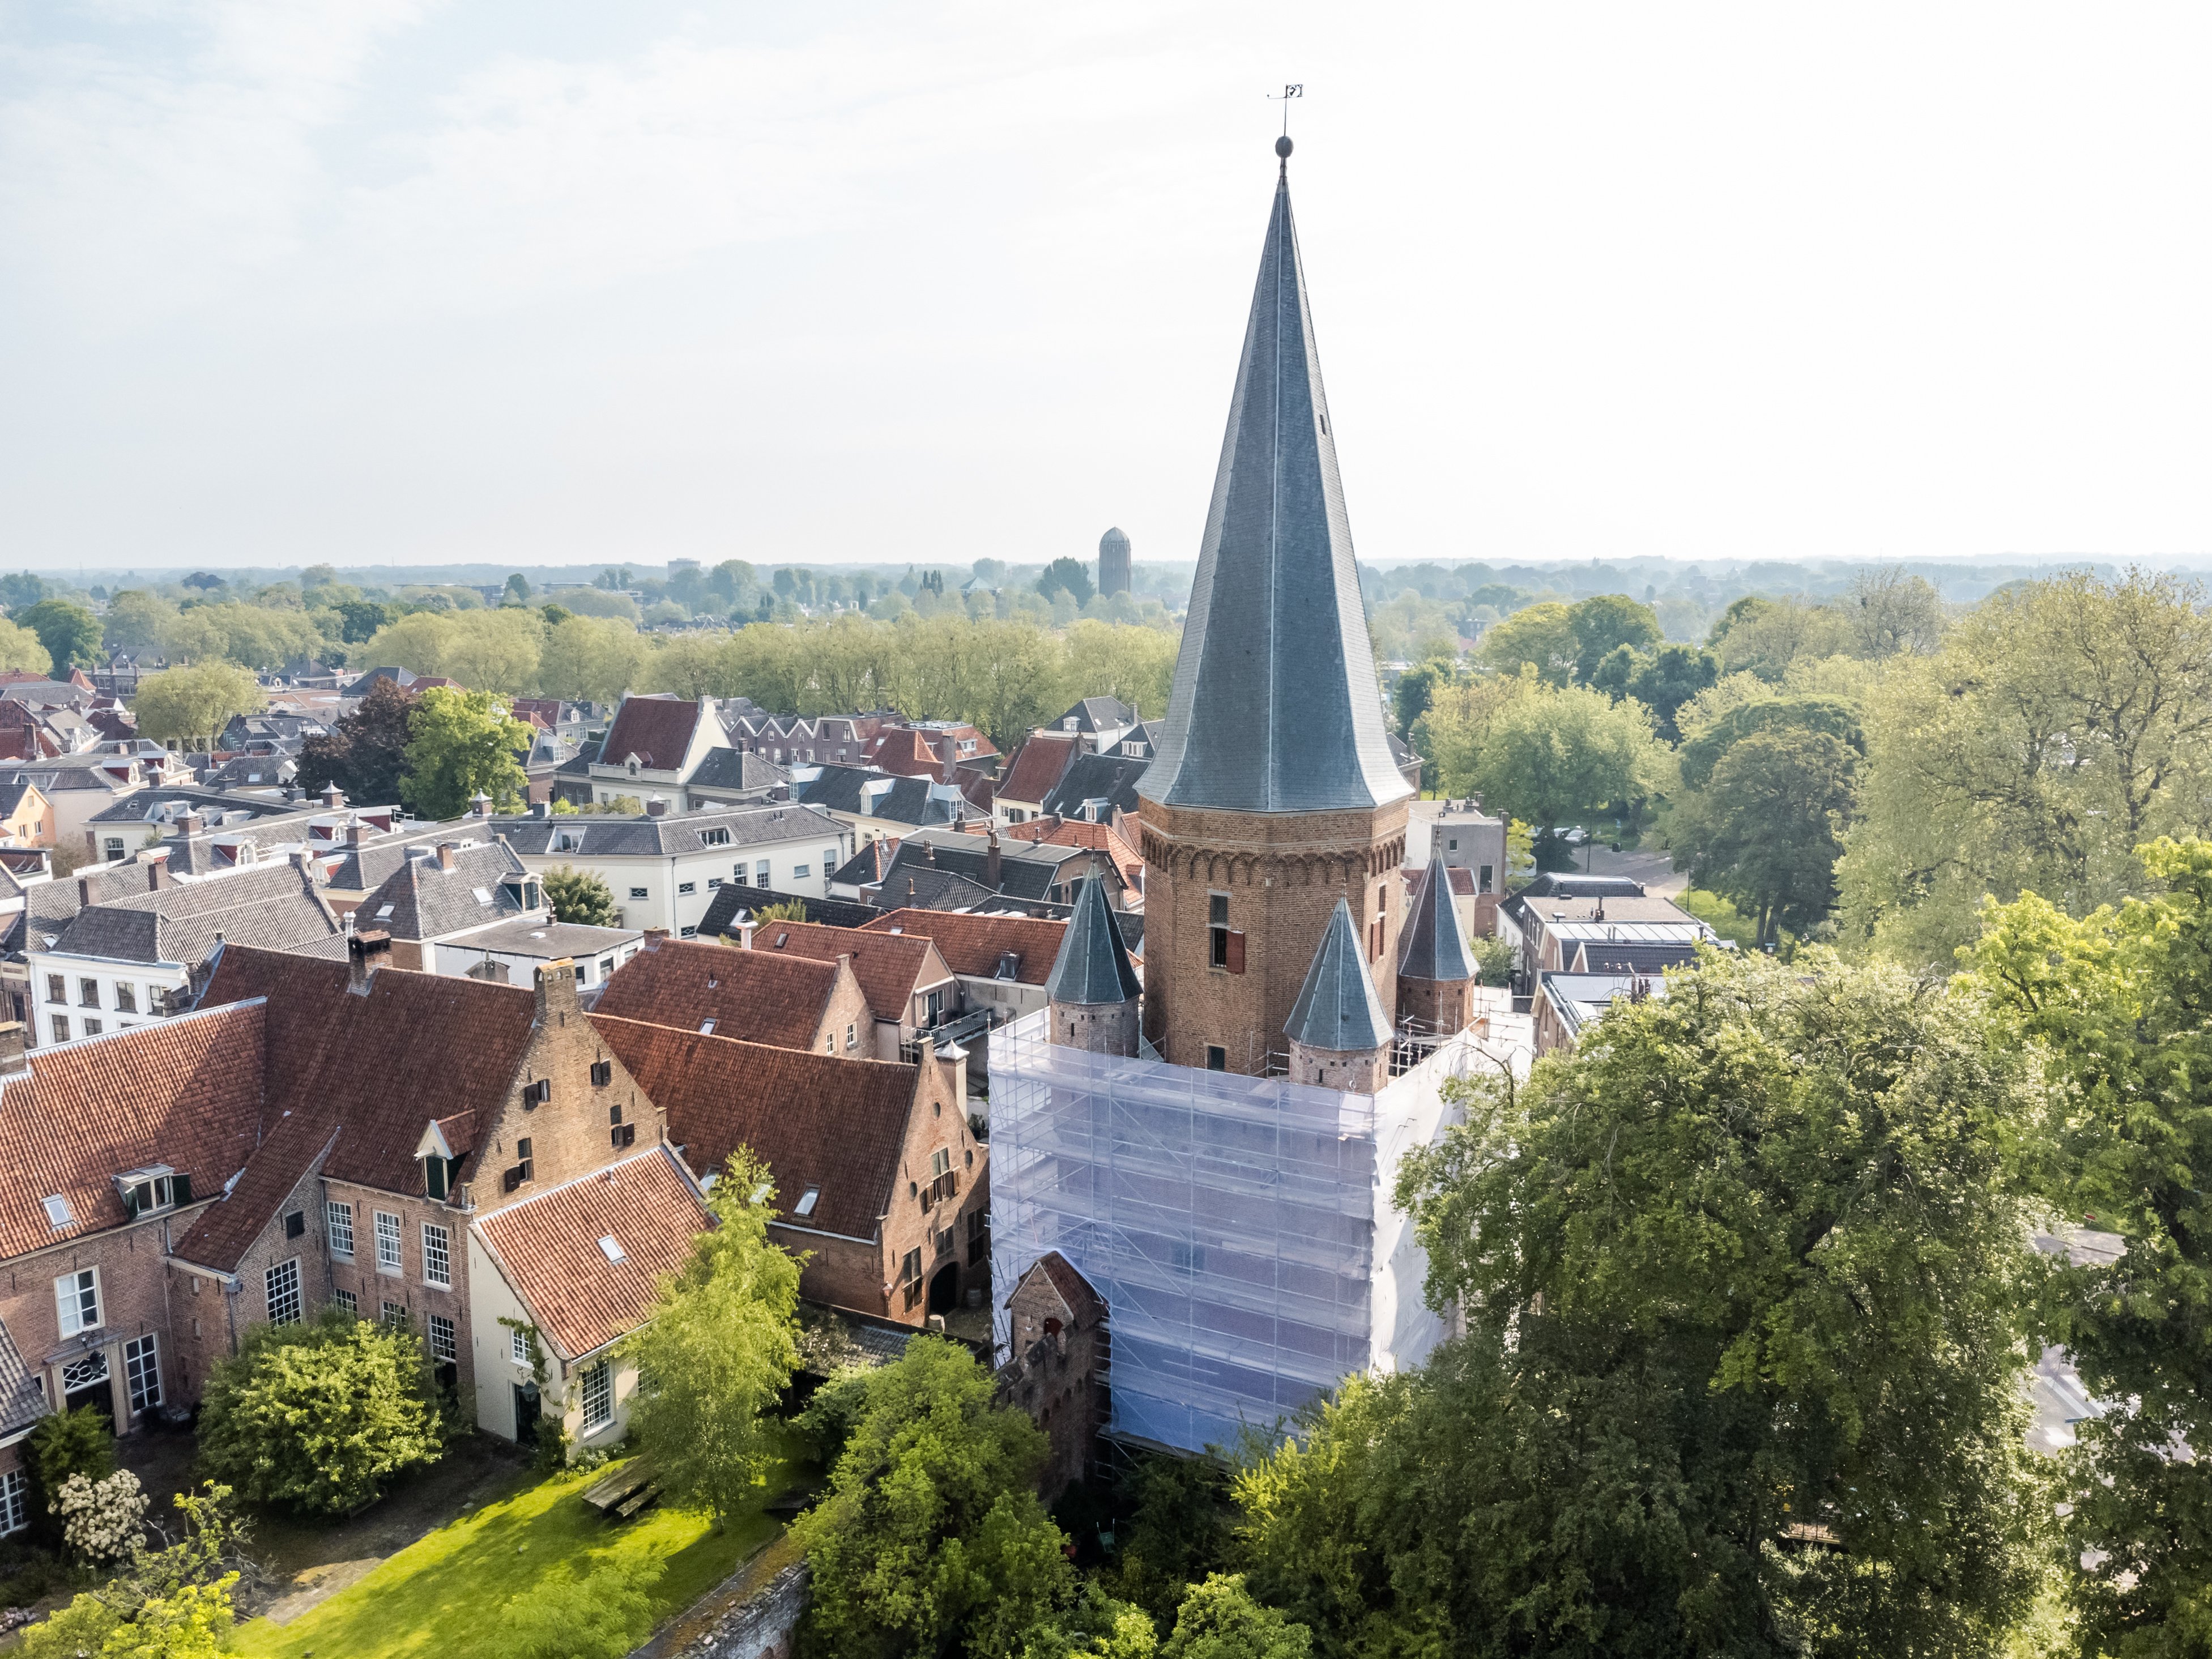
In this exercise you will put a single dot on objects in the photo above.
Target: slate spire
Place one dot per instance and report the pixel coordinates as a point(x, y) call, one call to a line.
point(1275, 706)
point(1434, 947)
point(1093, 966)
point(1337, 1010)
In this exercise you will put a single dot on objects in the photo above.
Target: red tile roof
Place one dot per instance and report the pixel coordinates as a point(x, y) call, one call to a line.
point(758, 996)
point(413, 1046)
point(975, 945)
point(548, 1247)
point(1037, 766)
point(657, 730)
point(836, 1125)
point(909, 753)
point(890, 968)
point(186, 1092)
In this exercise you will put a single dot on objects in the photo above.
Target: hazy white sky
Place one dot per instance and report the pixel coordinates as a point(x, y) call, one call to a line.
point(532, 281)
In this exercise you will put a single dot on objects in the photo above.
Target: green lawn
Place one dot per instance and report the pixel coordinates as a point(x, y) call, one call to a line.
point(440, 1594)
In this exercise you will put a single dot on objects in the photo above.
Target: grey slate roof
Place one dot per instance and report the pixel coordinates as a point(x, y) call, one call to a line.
point(916, 801)
point(217, 808)
point(1095, 713)
point(420, 900)
point(646, 836)
point(1114, 779)
point(545, 940)
point(272, 905)
point(738, 770)
point(733, 897)
point(1027, 870)
point(920, 888)
point(22, 1401)
point(1276, 707)
point(1337, 1010)
point(49, 906)
point(1435, 946)
point(1092, 966)
point(1631, 956)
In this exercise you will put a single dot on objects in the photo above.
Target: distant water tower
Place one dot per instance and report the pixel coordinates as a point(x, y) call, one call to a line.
point(1113, 562)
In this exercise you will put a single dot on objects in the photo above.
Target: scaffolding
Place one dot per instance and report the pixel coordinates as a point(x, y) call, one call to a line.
point(1239, 1227)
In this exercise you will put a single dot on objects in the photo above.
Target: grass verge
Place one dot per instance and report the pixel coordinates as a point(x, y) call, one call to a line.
point(441, 1594)
point(1722, 917)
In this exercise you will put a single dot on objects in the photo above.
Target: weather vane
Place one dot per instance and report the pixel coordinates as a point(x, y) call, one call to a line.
point(1296, 89)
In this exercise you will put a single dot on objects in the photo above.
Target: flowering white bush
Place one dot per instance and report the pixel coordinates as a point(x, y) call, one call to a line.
point(102, 1522)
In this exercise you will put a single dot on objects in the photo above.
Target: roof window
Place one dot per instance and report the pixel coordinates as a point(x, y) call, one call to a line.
point(705, 1027)
point(58, 1213)
point(483, 895)
point(611, 1250)
point(806, 1201)
point(383, 913)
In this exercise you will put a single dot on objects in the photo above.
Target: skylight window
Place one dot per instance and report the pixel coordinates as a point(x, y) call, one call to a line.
point(58, 1213)
point(806, 1201)
point(383, 913)
point(483, 894)
point(612, 1251)
point(705, 1027)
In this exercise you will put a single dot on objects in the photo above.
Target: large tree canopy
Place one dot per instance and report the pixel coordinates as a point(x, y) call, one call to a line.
point(2116, 1003)
point(1742, 1372)
point(2062, 725)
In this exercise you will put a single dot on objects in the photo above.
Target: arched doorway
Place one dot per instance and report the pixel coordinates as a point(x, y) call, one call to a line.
point(945, 1289)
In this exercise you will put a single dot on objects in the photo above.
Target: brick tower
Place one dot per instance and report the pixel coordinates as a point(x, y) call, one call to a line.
point(1272, 794)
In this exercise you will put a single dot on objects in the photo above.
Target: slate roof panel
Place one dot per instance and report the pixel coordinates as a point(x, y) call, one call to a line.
point(1337, 1010)
point(1092, 968)
point(657, 730)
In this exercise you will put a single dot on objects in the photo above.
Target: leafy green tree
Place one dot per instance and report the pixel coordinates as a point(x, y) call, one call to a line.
point(718, 1352)
point(931, 1533)
point(1068, 576)
point(22, 590)
point(2062, 725)
point(1219, 1620)
point(320, 1416)
point(1557, 757)
point(137, 621)
point(1662, 680)
point(1605, 622)
point(461, 744)
point(364, 752)
point(603, 1613)
point(1765, 636)
point(1415, 691)
point(1541, 635)
point(2114, 1004)
point(1702, 749)
point(360, 619)
point(193, 704)
point(1178, 1532)
point(1888, 611)
point(1743, 1286)
point(1766, 832)
point(579, 897)
point(517, 588)
point(20, 649)
point(1096, 1627)
point(69, 631)
point(590, 659)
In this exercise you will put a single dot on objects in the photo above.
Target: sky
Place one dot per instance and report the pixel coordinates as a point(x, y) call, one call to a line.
point(398, 281)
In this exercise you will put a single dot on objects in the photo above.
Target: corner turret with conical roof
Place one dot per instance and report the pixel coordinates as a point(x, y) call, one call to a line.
point(1436, 970)
point(1339, 1034)
point(1272, 793)
point(1092, 988)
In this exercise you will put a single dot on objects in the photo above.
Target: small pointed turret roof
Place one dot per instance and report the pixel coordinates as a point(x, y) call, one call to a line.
point(1435, 945)
point(1093, 965)
point(1338, 1010)
point(1275, 706)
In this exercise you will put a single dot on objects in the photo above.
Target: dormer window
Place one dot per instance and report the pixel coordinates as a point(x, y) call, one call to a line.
point(439, 1175)
point(156, 1188)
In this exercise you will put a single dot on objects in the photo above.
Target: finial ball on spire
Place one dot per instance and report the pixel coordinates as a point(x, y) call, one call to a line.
point(1283, 146)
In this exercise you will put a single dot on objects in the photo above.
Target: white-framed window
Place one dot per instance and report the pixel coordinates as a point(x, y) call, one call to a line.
point(142, 1371)
point(760, 872)
point(387, 1242)
point(395, 1314)
point(93, 1027)
point(518, 1346)
point(829, 859)
point(349, 1301)
point(76, 1300)
point(437, 1256)
point(126, 999)
point(442, 1344)
point(638, 893)
point(598, 1391)
point(282, 1286)
point(14, 1502)
point(800, 872)
point(61, 1027)
point(87, 994)
point(339, 1218)
point(86, 1373)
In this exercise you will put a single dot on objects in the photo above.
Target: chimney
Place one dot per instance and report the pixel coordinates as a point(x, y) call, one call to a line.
point(929, 852)
point(157, 870)
point(656, 808)
point(365, 952)
point(333, 797)
point(15, 1049)
point(991, 877)
point(356, 833)
point(190, 823)
point(655, 936)
point(446, 855)
point(745, 931)
point(541, 809)
point(83, 892)
point(480, 805)
point(556, 993)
